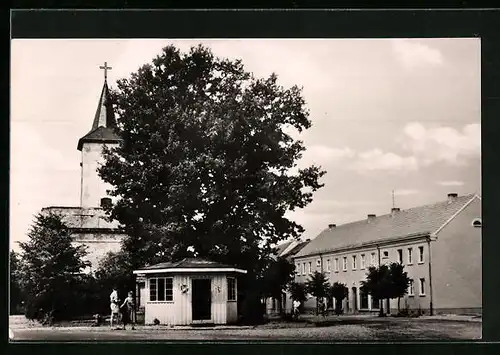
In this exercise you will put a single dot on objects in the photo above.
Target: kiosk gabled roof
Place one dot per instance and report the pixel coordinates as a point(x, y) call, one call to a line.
point(189, 265)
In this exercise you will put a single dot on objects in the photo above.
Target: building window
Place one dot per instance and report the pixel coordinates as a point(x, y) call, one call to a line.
point(400, 256)
point(303, 268)
point(344, 263)
point(297, 269)
point(374, 259)
point(420, 255)
point(386, 255)
point(328, 265)
point(477, 223)
point(231, 289)
point(318, 264)
point(363, 261)
point(336, 265)
point(375, 303)
point(309, 268)
point(410, 256)
point(411, 290)
point(422, 287)
point(161, 289)
point(354, 262)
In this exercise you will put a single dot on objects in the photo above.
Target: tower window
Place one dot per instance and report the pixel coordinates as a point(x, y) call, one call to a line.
point(105, 201)
point(477, 223)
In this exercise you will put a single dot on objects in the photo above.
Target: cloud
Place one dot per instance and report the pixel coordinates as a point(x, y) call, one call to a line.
point(323, 155)
point(413, 54)
point(376, 159)
point(450, 183)
point(347, 158)
point(442, 144)
point(424, 146)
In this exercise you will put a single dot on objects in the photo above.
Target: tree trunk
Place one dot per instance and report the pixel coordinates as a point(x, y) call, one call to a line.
point(399, 299)
point(381, 310)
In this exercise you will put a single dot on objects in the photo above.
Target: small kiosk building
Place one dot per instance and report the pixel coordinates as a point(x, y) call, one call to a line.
point(190, 291)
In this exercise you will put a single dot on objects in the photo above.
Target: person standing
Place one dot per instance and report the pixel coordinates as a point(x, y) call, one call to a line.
point(296, 305)
point(115, 309)
point(128, 310)
point(325, 307)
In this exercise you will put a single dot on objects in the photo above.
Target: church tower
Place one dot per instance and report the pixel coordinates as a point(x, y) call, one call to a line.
point(88, 222)
point(93, 189)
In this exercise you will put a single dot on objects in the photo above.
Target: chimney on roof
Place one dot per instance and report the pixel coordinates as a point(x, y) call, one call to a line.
point(371, 217)
point(452, 197)
point(332, 225)
point(394, 210)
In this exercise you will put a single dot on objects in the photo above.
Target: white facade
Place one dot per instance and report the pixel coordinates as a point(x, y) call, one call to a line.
point(93, 188)
point(176, 306)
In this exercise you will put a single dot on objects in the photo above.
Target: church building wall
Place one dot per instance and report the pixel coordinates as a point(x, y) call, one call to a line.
point(89, 227)
point(98, 245)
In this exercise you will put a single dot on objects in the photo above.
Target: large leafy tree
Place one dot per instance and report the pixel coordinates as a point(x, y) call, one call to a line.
point(206, 163)
point(51, 269)
point(318, 286)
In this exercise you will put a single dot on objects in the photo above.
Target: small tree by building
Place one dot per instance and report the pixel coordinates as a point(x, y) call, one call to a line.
point(52, 269)
point(298, 292)
point(399, 281)
point(378, 284)
point(338, 291)
point(275, 279)
point(386, 282)
point(318, 286)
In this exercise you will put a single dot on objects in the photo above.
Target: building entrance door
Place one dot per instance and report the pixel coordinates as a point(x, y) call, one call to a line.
point(201, 300)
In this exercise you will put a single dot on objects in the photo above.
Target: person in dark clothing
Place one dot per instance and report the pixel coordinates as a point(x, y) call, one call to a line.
point(128, 311)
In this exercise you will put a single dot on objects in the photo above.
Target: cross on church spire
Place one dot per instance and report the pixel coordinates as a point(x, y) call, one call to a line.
point(105, 67)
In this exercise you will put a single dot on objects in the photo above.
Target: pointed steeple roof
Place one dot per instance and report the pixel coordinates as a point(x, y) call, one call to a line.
point(104, 125)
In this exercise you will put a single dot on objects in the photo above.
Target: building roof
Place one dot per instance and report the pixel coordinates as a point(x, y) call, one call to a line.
point(415, 221)
point(295, 249)
point(189, 265)
point(104, 124)
point(280, 248)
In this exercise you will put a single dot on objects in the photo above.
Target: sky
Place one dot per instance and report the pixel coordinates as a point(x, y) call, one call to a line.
point(387, 115)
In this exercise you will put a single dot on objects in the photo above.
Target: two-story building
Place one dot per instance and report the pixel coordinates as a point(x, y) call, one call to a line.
point(438, 244)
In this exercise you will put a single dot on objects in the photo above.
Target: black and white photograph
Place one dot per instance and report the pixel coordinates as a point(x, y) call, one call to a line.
point(300, 190)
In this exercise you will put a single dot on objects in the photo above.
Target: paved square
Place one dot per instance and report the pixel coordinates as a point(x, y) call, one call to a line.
point(339, 329)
